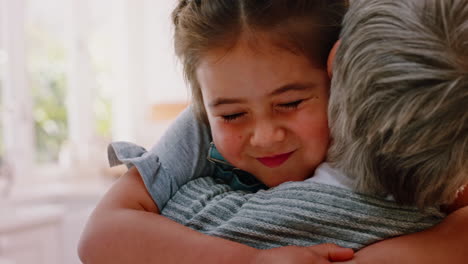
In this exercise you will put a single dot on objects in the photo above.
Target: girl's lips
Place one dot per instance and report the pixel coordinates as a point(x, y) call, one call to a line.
point(275, 161)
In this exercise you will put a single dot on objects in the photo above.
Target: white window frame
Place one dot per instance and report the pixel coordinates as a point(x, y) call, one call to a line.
point(17, 101)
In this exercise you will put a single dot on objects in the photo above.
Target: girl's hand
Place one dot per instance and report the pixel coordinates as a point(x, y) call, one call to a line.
point(320, 254)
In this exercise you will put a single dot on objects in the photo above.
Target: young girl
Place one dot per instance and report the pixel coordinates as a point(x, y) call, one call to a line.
point(280, 141)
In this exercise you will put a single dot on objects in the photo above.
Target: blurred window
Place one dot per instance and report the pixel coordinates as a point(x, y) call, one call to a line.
point(76, 74)
point(46, 70)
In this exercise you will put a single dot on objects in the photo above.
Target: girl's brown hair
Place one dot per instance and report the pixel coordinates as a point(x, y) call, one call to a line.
point(308, 27)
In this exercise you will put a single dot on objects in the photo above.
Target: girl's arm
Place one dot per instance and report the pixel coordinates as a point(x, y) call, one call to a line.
point(126, 227)
point(445, 243)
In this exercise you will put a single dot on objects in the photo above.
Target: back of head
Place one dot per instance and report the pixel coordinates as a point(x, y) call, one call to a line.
point(303, 26)
point(399, 97)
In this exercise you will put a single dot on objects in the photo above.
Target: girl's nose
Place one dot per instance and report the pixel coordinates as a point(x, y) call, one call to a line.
point(266, 134)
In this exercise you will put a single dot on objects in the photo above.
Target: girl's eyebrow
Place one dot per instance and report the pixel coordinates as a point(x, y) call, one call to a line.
point(294, 87)
point(221, 101)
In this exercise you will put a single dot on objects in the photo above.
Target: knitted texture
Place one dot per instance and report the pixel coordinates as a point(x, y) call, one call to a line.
point(294, 213)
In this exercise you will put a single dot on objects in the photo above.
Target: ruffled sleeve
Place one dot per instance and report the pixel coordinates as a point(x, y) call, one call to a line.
point(178, 157)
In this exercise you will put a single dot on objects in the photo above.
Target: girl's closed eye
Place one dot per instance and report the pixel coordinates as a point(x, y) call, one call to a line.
point(291, 105)
point(232, 117)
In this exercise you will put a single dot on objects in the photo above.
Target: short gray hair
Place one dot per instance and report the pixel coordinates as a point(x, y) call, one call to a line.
point(399, 98)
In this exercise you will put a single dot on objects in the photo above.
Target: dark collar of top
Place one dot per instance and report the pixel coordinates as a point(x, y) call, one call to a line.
point(236, 178)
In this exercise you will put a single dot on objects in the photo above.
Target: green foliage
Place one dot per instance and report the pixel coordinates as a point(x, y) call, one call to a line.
point(50, 115)
point(47, 67)
point(103, 110)
point(47, 71)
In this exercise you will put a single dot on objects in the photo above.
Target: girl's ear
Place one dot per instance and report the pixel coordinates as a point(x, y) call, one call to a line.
point(331, 57)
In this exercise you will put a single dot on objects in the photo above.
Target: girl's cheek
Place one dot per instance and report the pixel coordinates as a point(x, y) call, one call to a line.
point(229, 140)
point(230, 134)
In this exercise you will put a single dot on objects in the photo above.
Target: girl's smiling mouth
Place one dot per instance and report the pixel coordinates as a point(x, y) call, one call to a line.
point(276, 160)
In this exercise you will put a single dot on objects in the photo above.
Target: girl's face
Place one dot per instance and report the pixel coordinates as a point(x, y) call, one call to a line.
point(267, 109)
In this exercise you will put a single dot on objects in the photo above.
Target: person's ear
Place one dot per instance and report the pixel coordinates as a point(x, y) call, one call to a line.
point(331, 57)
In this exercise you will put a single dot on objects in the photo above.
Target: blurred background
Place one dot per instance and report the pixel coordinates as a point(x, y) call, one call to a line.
point(74, 76)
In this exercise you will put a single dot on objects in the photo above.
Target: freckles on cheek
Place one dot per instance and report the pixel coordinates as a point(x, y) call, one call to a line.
point(229, 142)
point(230, 138)
point(226, 132)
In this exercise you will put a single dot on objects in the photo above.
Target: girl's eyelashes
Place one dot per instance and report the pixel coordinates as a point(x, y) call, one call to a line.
point(291, 105)
point(288, 106)
point(229, 118)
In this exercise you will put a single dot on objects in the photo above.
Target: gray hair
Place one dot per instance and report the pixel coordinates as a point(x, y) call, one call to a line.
point(399, 98)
